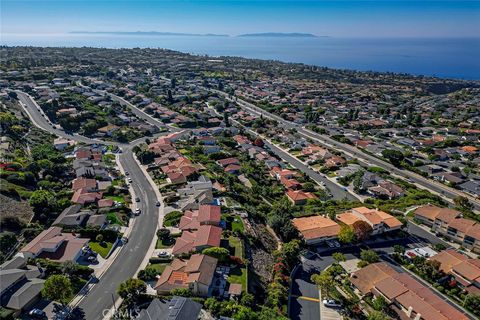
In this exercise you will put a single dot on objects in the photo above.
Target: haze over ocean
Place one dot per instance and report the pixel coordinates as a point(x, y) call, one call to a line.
point(449, 58)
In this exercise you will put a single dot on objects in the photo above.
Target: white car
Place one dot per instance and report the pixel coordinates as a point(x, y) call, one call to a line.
point(138, 211)
point(331, 303)
point(129, 180)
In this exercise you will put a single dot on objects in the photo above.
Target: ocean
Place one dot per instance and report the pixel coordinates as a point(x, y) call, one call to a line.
point(446, 58)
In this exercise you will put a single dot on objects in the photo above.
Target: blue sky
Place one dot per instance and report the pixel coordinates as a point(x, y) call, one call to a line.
point(341, 18)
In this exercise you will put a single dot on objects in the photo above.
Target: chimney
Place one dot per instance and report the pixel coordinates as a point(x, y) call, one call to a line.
point(418, 316)
point(409, 311)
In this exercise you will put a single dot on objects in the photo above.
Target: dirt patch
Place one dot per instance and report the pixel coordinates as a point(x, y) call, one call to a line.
point(13, 208)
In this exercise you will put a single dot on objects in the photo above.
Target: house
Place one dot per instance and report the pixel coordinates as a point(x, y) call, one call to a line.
point(61, 143)
point(472, 187)
point(299, 197)
point(380, 221)
point(232, 168)
point(335, 162)
point(86, 184)
point(83, 197)
point(55, 245)
point(449, 223)
point(406, 296)
point(464, 270)
point(195, 274)
point(176, 177)
point(386, 189)
point(177, 308)
point(427, 214)
point(205, 215)
point(108, 130)
point(291, 184)
point(316, 229)
point(20, 284)
point(72, 216)
point(205, 236)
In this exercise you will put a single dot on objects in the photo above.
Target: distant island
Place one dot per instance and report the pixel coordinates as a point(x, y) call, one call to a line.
point(151, 33)
point(158, 33)
point(279, 35)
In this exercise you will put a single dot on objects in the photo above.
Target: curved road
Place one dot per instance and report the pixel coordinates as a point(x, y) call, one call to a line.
point(125, 266)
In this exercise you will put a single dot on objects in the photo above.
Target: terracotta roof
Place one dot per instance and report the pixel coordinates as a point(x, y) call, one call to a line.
point(366, 278)
point(208, 235)
point(199, 268)
point(461, 224)
point(316, 227)
point(84, 183)
point(300, 195)
point(448, 259)
point(432, 212)
point(227, 161)
point(474, 232)
point(207, 212)
point(66, 245)
point(347, 218)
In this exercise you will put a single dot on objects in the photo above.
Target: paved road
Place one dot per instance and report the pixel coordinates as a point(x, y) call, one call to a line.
point(126, 264)
point(128, 261)
point(434, 186)
point(337, 192)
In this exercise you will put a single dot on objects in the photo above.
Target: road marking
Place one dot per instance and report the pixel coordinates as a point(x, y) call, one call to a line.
point(306, 298)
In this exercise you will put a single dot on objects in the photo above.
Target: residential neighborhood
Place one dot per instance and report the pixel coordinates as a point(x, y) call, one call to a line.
point(161, 185)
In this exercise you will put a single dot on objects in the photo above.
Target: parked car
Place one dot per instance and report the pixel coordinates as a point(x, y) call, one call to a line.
point(92, 259)
point(37, 314)
point(163, 254)
point(138, 211)
point(126, 173)
point(129, 180)
point(331, 303)
point(157, 203)
point(124, 240)
point(137, 199)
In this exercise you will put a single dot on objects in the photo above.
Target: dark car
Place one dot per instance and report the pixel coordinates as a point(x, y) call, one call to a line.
point(157, 203)
point(37, 314)
point(137, 199)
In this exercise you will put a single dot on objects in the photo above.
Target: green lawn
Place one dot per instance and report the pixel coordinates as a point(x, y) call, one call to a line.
point(164, 244)
point(114, 219)
point(234, 222)
point(102, 250)
point(238, 275)
point(116, 198)
point(158, 267)
point(237, 244)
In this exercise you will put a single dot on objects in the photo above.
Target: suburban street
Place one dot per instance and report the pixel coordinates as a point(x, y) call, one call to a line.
point(337, 192)
point(103, 294)
point(434, 186)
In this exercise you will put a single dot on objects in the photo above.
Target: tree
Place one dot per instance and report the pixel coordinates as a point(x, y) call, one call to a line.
point(362, 230)
point(221, 254)
point(463, 203)
point(379, 303)
point(472, 303)
point(308, 186)
point(131, 289)
point(69, 268)
point(58, 288)
point(42, 201)
point(377, 315)
point(346, 234)
point(324, 281)
point(258, 142)
point(99, 238)
point(369, 256)
point(398, 249)
point(163, 234)
point(394, 156)
point(289, 253)
point(247, 299)
point(181, 292)
point(338, 256)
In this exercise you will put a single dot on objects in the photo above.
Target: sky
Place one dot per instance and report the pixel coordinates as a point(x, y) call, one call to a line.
point(338, 18)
